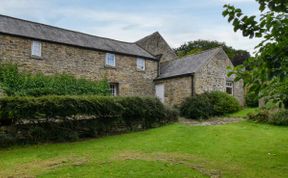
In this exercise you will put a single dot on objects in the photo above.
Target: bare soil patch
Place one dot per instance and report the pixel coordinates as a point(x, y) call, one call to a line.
point(212, 121)
point(188, 160)
point(30, 169)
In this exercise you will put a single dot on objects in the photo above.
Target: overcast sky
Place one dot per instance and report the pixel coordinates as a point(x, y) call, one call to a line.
point(178, 21)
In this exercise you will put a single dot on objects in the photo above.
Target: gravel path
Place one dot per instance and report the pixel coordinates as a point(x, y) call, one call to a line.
point(213, 121)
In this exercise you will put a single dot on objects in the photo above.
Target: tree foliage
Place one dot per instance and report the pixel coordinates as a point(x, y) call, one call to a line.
point(237, 56)
point(267, 74)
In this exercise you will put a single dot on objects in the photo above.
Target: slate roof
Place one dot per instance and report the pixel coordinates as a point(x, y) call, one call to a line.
point(23, 28)
point(186, 65)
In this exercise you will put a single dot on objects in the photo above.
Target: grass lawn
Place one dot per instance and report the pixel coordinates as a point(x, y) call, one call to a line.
point(243, 113)
point(242, 149)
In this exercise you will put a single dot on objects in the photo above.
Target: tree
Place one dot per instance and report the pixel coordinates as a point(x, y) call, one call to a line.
point(237, 56)
point(268, 71)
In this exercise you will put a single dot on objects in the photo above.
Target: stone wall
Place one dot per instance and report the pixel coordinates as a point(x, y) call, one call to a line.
point(85, 63)
point(213, 76)
point(176, 89)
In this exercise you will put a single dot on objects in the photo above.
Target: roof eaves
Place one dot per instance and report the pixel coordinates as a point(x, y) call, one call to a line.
point(174, 76)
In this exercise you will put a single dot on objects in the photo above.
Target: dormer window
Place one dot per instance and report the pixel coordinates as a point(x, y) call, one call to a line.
point(110, 60)
point(36, 49)
point(140, 64)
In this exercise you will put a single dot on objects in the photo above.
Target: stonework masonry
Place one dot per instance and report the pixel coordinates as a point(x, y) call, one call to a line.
point(213, 77)
point(83, 63)
point(90, 64)
point(177, 89)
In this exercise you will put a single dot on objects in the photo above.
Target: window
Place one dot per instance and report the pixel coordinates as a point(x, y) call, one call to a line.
point(114, 89)
point(110, 59)
point(140, 64)
point(229, 88)
point(36, 49)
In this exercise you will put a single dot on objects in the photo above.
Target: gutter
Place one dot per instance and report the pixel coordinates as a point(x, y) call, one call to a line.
point(174, 76)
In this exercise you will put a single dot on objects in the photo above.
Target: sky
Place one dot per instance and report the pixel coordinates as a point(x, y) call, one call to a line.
point(178, 21)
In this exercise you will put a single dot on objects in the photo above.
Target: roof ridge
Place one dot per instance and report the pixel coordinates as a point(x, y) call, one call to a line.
point(64, 29)
point(145, 37)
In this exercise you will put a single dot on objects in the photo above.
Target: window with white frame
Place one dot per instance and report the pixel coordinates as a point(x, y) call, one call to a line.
point(229, 87)
point(114, 89)
point(36, 49)
point(140, 64)
point(110, 59)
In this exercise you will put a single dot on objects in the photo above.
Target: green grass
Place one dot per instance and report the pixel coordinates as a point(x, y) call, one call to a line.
point(243, 113)
point(242, 149)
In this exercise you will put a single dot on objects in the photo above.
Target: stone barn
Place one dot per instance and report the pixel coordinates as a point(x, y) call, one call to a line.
point(147, 67)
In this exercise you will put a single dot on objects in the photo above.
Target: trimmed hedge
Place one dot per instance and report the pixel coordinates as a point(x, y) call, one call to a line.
point(206, 105)
point(16, 83)
point(64, 118)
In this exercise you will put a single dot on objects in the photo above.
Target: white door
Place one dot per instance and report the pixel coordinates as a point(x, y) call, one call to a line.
point(159, 91)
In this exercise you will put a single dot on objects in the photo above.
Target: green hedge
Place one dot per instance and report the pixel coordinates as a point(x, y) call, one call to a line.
point(61, 118)
point(206, 105)
point(16, 83)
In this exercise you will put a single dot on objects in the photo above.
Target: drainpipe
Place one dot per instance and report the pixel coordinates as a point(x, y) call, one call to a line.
point(192, 85)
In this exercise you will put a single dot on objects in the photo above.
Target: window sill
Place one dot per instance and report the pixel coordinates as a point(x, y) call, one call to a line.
point(37, 57)
point(110, 67)
point(139, 70)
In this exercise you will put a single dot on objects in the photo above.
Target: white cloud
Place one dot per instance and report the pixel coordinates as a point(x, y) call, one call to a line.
point(177, 27)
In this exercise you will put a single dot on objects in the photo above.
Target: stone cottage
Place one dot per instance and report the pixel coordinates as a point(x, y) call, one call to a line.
point(147, 67)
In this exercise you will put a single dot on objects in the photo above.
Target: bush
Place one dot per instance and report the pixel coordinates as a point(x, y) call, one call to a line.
point(197, 107)
point(271, 117)
point(223, 103)
point(279, 118)
point(68, 118)
point(209, 104)
point(16, 83)
point(7, 140)
point(251, 99)
point(261, 116)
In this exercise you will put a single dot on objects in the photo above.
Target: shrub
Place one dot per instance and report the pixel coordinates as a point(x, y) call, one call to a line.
point(261, 116)
point(16, 83)
point(223, 103)
point(197, 107)
point(7, 140)
point(68, 118)
point(206, 105)
point(251, 99)
point(279, 117)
